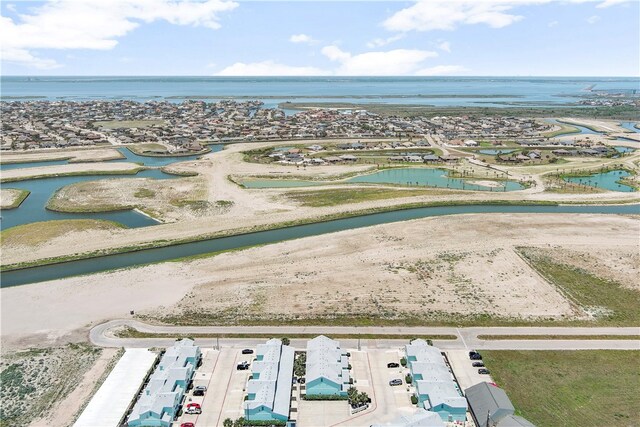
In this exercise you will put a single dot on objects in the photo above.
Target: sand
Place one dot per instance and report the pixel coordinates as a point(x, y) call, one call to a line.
point(69, 169)
point(74, 155)
point(409, 268)
point(8, 196)
point(601, 125)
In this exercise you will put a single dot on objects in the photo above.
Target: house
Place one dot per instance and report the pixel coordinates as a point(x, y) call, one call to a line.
point(470, 143)
point(348, 158)
point(269, 389)
point(315, 147)
point(327, 368)
point(490, 406)
point(436, 389)
point(431, 158)
point(159, 402)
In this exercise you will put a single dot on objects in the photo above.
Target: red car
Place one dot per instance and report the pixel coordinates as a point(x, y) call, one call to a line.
point(187, 425)
point(193, 408)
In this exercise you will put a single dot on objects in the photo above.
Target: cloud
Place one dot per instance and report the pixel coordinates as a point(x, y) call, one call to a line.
point(269, 68)
point(24, 57)
point(552, 24)
point(383, 42)
point(442, 70)
point(593, 19)
point(96, 24)
point(377, 63)
point(302, 38)
point(444, 46)
point(428, 15)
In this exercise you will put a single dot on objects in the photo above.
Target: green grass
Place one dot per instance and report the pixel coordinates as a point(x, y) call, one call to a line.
point(609, 302)
point(129, 332)
point(345, 195)
point(39, 232)
point(115, 124)
point(565, 129)
point(559, 337)
point(18, 200)
point(144, 193)
point(143, 149)
point(75, 173)
point(570, 388)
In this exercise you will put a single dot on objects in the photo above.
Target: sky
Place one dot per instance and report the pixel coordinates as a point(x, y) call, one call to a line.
point(339, 38)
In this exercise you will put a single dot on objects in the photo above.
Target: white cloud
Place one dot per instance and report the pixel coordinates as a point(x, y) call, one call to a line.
point(302, 38)
point(593, 19)
point(427, 15)
point(97, 24)
point(444, 46)
point(442, 70)
point(269, 68)
point(388, 63)
point(552, 24)
point(383, 42)
point(24, 57)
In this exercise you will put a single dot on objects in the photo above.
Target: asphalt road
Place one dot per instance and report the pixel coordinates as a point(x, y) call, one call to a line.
point(467, 338)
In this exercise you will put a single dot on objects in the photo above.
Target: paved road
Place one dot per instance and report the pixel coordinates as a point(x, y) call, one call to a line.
point(467, 338)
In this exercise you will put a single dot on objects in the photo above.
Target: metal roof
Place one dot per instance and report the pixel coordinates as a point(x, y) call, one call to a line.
point(486, 399)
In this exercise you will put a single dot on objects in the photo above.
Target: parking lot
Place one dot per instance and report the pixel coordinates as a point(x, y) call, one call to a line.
point(225, 389)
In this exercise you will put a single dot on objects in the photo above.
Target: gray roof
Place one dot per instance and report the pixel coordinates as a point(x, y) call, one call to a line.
point(514, 421)
point(421, 418)
point(325, 359)
point(273, 388)
point(485, 398)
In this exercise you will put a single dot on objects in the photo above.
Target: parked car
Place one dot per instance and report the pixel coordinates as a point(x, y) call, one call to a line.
point(396, 381)
point(478, 364)
point(301, 380)
point(194, 408)
point(472, 352)
point(475, 356)
point(483, 371)
point(187, 425)
point(199, 390)
point(242, 366)
point(247, 351)
point(393, 365)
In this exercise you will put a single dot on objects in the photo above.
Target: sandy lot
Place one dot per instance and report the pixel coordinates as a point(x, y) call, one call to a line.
point(600, 125)
point(412, 268)
point(70, 169)
point(260, 207)
point(8, 197)
point(74, 155)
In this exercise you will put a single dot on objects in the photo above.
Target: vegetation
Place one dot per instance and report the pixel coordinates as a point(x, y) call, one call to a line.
point(559, 337)
point(40, 378)
point(73, 173)
point(300, 365)
point(285, 341)
point(414, 399)
point(341, 196)
point(606, 301)
point(357, 398)
point(403, 362)
point(324, 397)
point(22, 195)
point(570, 388)
point(38, 232)
point(564, 130)
point(144, 193)
point(408, 379)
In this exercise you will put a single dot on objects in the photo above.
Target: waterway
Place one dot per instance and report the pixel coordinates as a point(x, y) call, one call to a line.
point(630, 126)
point(607, 180)
point(33, 209)
point(495, 152)
point(87, 266)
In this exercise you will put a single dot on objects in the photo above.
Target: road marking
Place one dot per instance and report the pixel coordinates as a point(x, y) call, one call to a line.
point(462, 338)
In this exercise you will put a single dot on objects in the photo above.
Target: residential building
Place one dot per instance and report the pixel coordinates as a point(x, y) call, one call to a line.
point(490, 407)
point(269, 389)
point(422, 418)
point(435, 385)
point(327, 369)
point(160, 399)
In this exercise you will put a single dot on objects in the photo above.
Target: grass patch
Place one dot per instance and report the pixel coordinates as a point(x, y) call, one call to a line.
point(345, 195)
point(40, 232)
point(558, 337)
point(74, 173)
point(144, 149)
point(116, 124)
point(565, 129)
point(129, 332)
point(144, 193)
point(604, 300)
point(570, 388)
point(22, 195)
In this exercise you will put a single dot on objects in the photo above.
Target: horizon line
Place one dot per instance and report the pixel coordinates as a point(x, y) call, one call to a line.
point(315, 76)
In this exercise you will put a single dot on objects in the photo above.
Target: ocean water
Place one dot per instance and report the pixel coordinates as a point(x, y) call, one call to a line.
point(440, 91)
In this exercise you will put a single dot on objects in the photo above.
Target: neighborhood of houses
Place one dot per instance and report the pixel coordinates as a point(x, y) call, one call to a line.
point(186, 126)
point(174, 388)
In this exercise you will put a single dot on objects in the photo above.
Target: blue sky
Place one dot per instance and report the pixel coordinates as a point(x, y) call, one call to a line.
point(222, 37)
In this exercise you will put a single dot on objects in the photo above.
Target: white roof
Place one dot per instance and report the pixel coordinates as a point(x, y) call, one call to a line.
point(325, 359)
point(109, 405)
point(273, 388)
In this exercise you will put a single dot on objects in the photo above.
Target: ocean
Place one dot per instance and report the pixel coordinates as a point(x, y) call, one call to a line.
point(438, 91)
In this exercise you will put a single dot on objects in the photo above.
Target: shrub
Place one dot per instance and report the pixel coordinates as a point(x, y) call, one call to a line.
point(414, 399)
point(408, 379)
point(403, 362)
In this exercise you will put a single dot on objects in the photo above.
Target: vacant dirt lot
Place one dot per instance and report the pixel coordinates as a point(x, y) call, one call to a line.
point(9, 196)
point(74, 155)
